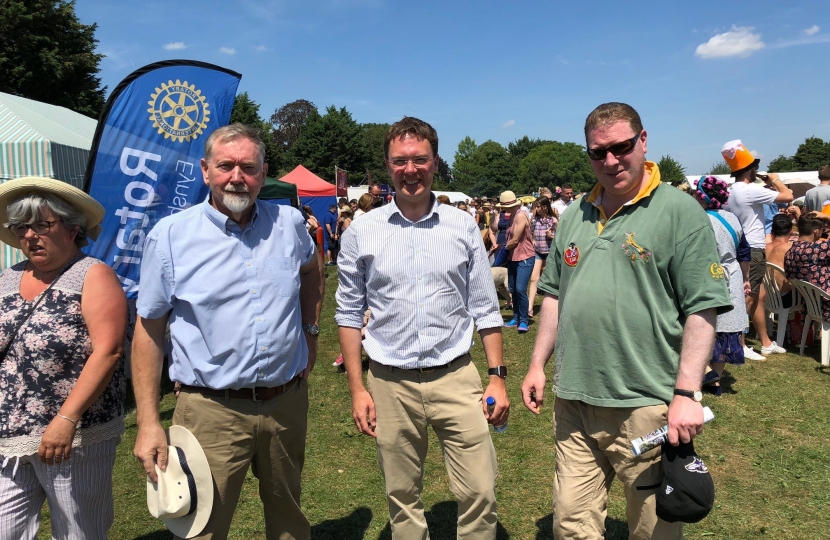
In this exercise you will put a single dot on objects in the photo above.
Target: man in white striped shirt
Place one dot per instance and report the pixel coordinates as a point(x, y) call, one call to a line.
point(422, 269)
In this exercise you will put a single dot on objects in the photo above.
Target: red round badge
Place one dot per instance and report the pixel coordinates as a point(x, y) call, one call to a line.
point(571, 255)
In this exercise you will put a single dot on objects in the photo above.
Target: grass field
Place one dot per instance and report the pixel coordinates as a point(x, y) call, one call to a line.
point(768, 450)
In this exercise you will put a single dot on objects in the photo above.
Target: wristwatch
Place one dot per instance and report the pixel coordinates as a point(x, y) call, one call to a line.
point(311, 329)
point(500, 371)
point(697, 395)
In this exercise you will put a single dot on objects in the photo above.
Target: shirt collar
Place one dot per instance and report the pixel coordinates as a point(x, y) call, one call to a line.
point(595, 197)
point(392, 209)
point(221, 220)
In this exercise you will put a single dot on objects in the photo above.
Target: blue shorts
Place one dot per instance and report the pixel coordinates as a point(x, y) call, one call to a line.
point(541, 256)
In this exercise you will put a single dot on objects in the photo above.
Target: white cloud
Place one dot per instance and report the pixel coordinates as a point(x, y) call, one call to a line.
point(812, 30)
point(261, 48)
point(509, 123)
point(175, 46)
point(227, 50)
point(739, 41)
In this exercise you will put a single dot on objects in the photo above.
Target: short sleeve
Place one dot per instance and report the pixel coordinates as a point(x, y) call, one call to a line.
point(699, 279)
point(155, 290)
point(549, 280)
point(758, 194)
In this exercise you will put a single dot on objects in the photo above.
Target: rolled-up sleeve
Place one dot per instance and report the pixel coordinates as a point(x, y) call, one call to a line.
point(482, 302)
point(351, 290)
point(155, 293)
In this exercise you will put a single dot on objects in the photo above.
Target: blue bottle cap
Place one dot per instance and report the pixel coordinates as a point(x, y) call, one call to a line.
point(491, 401)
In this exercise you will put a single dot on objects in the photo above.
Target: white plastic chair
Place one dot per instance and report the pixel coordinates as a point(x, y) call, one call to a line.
point(812, 297)
point(774, 305)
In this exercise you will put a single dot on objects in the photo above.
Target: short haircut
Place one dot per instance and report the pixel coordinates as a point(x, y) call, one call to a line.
point(824, 173)
point(231, 133)
point(567, 186)
point(342, 200)
point(30, 207)
point(611, 113)
point(411, 126)
point(782, 225)
point(443, 199)
point(807, 225)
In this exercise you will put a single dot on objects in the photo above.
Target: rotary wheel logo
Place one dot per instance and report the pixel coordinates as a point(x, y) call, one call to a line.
point(178, 111)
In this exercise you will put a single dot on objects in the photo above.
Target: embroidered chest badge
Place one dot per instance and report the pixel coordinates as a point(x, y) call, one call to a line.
point(571, 255)
point(717, 271)
point(634, 250)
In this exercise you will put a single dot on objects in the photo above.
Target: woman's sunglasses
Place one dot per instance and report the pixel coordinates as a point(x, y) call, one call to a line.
point(619, 149)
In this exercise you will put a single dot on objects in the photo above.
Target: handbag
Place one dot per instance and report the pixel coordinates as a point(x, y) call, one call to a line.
point(40, 298)
point(501, 256)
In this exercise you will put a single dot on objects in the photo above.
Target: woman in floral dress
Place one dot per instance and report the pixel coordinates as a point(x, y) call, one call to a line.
point(63, 318)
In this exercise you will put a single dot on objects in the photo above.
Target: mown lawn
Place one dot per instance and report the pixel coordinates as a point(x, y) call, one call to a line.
point(768, 450)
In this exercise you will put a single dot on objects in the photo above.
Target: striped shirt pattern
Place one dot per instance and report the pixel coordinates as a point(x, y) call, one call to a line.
point(541, 243)
point(428, 283)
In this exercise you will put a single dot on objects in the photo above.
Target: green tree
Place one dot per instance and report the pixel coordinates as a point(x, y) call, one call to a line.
point(671, 170)
point(246, 111)
point(46, 54)
point(443, 179)
point(812, 154)
point(554, 164)
point(333, 139)
point(781, 164)
point(288, 120)
point(488, 168)
point(720, 168)
point(522, 147)
point(376, 167)
point(462, 164)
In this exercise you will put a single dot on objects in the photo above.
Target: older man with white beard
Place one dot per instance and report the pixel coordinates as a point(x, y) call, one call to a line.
point(239, 282)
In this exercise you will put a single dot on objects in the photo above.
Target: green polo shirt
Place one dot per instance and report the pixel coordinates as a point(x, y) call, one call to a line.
point(625, 287)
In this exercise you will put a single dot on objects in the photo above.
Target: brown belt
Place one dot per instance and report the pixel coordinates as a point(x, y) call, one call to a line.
point(425, 369)
point(260, 393)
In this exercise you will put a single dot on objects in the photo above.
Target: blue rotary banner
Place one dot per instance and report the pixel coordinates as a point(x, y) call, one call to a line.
point(144, 163)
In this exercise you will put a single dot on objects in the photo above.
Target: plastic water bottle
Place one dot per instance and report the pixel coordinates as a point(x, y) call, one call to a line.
point(491, 405)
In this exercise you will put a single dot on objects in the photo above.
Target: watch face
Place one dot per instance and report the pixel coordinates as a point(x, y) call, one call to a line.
point(698, 395)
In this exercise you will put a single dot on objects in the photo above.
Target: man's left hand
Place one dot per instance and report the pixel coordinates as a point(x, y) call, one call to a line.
point(498, 391)
point(312, 354)
point(685, 420)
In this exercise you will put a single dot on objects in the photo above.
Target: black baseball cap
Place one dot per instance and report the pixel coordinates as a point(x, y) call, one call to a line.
point(687, 493)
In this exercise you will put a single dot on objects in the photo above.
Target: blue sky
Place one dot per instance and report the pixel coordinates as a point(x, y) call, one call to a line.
point(699, 73)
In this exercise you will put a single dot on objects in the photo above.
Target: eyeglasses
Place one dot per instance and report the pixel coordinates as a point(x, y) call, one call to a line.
point(418, 162)
point(619, 149)
point(38, 227)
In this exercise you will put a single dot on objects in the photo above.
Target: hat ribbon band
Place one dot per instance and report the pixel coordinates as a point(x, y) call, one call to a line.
point(191, 482)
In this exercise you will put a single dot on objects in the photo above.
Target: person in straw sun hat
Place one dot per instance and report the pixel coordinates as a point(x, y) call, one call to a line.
point(183, 496)
point(519, 244)
point(64, 318)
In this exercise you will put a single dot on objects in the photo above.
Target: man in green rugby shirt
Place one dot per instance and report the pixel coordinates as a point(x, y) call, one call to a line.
point(632, 289)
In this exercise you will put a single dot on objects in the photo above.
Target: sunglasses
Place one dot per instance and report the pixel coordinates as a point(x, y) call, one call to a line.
point(618, 149)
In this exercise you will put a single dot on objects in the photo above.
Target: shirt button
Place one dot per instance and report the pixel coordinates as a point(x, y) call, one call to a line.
point(420, 305)
point(259, 319)
point(602, 221)
point(419, 278)
point(253, 291)
point(249, 264)
point(262, 348)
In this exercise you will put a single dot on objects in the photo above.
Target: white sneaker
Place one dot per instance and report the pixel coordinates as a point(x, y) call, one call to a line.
point(773, 348)
point(750, 354)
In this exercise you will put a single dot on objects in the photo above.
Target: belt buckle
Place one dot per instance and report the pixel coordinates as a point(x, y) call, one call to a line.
point(427, 369)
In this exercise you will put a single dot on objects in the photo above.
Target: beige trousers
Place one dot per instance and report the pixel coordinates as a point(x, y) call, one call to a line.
point(267, 435)
point(593, 444)
point(449, 400)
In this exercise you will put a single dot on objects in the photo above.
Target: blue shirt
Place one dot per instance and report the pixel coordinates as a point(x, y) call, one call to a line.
point(330, 219)
point(233, 296)
point(428, 284)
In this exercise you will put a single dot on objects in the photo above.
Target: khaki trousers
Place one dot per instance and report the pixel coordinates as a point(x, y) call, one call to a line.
point(449, 400)
point(268, 435)
point(593, 444)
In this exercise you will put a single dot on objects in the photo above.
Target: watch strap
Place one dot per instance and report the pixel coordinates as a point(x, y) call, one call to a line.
point(500, 371)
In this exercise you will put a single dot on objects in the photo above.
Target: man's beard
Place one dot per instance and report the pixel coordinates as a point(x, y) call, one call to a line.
point(237, 201)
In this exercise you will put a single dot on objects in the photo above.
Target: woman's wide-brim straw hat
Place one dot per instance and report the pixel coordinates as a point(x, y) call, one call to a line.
point(508, 199)
point(14, 189)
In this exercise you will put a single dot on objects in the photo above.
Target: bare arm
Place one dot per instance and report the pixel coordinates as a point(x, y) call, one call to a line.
point(147, 356)
point(686, 415)
point(363, 406)
point(784, 193)
point(104, 309)
point(533, 386)
point(520, 223)
point(312, 288)
point(491, 339)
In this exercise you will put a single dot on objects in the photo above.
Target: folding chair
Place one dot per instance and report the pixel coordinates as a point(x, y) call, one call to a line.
point(774, 305)
point(812, 297)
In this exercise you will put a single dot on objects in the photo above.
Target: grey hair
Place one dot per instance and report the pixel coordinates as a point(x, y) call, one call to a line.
point(30, 208)
point(232, 132)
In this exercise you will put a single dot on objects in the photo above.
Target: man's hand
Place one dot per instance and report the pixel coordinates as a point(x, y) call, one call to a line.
point(363, 412)
point(533, 389)
point(151, 449)
point(312, 355)
point(497, 390)
point(685, 420)
point(56, 443)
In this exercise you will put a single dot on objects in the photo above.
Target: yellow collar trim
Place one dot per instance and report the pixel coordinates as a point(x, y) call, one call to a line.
point(595, 197)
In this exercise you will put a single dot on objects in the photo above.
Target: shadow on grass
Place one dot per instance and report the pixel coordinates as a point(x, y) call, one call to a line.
point(442, 522)
point(727, 382)
point(614, 529)
point(351, 527)
point(156, 535)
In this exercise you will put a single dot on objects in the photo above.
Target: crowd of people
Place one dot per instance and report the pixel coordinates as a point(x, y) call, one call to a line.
point(645, 298)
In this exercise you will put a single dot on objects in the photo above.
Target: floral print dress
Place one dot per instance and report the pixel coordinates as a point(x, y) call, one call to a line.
point(44, 362)
point(810, 262)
